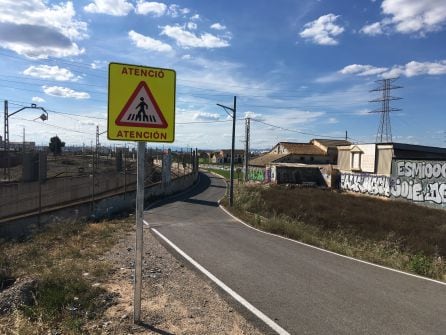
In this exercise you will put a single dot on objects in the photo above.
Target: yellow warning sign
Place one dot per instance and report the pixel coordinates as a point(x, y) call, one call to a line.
point(141, 103)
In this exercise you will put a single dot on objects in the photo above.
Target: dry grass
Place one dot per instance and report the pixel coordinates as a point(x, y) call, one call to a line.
point(396, 234)
point(65, 260)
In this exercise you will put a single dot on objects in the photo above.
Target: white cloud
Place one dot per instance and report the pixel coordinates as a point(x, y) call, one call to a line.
point(332, 120)
point(109, 7)
point(37, 99)
point(410, 16)
point(253, 115)
point(414, 68)
point(410, 69)
point(203, 116)
point(195, 17)
point(192, 26)
point(218, 26)
point(148, 43)
point(362, 112)
point(98, 64)
point(323, 30)
point(187, 39)
point(156, 9)
point(329, 78)
point(37, 30)
point(64, 92)
point(175, 11)
point(362, 70)
point(50, 72)
point(372, 29)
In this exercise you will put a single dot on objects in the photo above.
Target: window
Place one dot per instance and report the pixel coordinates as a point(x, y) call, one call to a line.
point(356, 160)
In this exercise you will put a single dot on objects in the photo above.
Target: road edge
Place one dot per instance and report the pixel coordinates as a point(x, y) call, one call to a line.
point(242, 301)
point(331, 252)
point(321, 249)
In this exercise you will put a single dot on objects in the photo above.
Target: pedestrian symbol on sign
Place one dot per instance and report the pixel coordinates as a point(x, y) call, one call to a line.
point(142, 106)
point(142, 112)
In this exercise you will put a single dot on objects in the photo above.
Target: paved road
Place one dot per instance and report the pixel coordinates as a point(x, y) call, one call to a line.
point(307, 291)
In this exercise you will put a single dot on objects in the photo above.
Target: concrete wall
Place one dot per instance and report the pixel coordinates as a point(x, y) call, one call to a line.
point(120, 204)
point(23, 198)
point(257, 174)
point(423, 182)
point(419, 181)
point(19, 198)
point(298, 175)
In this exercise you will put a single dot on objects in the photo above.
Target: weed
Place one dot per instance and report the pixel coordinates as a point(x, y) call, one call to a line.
point(57, 257)
point(395, 234)
point(63, 294)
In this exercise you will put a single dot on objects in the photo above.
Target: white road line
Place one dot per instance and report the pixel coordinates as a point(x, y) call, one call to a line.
point(223, 286)
point(331, 252)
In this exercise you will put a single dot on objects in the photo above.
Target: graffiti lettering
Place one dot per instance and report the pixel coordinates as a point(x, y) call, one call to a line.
point(434, 192)
point(257, 174)
point(421, 170)
point(365, 183)
point(419, 181)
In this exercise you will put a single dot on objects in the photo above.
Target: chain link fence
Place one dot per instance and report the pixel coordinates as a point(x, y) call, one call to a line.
point(37, 181)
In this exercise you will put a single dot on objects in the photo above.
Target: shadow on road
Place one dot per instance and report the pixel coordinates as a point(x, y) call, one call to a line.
point(201, 202)
point(204, 182)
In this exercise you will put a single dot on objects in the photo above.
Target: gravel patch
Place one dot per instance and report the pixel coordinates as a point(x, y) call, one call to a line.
point(175, 299)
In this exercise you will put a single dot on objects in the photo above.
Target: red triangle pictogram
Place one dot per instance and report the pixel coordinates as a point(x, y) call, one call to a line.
point(141, 110)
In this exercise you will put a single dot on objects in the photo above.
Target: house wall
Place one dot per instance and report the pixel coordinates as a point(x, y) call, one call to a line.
point(419, 181)
point(368, 156)
point(259, 174)
point(299, 175)
point(344, 162)
point(384, 161)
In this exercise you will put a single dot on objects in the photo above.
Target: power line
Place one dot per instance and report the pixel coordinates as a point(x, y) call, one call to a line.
point(298, 131)
point(88, 68)
point(31, 81)
point(54, 126)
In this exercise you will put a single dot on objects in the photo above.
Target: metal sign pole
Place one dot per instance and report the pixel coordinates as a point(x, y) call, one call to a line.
point(139, 232)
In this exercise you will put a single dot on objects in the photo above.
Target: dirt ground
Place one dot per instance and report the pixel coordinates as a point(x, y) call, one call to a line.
point(175, 299)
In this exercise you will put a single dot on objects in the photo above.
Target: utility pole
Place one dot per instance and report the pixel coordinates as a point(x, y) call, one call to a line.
point(231, 175)
point(247, 138)
point(43, 117)
point(23, 144)
point(97, 143)
point(384, 133)
point(6, 142)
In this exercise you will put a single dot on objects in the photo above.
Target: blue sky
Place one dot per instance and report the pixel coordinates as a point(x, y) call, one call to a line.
point(299, 69)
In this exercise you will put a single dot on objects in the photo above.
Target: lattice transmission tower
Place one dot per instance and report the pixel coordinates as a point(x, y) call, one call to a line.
point(384, 133)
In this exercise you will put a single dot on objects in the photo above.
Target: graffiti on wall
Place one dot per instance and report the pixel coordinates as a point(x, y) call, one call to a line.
point(366, 183)
point(419, 181)
point(256, 174)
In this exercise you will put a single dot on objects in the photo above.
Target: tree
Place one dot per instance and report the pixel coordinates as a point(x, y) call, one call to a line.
point(56, 145)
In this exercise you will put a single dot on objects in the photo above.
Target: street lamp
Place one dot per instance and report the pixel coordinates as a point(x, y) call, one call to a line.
point(231, 175)
point(43, 117)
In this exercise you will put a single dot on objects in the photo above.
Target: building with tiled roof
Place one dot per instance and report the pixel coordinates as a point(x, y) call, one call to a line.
point(318, 152)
